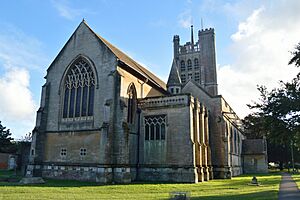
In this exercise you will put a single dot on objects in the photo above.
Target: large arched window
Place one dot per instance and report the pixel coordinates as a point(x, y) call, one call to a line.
point(79, 89)
point(132, 103)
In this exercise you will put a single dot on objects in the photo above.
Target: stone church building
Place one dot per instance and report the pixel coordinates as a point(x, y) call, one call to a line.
point(103, 117)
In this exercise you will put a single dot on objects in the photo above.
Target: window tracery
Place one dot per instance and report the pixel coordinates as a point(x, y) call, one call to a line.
point(79, 89)
point(155, 127)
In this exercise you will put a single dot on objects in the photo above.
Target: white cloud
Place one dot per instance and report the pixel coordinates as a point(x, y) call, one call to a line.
point(249, 27)
point(261, 48)
point(185, 19)
point(20, 55)
point(67, 11)
point(16, 98)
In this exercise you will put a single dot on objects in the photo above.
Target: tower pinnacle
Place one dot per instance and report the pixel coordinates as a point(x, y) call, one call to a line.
point(192, 37)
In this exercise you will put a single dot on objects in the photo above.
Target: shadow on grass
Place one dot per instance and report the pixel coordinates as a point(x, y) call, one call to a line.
point(265, 195)
point(230, 183)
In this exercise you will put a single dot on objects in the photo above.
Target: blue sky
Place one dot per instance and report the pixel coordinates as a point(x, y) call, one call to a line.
point(253, 40)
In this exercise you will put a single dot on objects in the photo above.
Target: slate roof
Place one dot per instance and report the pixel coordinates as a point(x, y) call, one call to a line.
point(130, 62)
point(254, 146)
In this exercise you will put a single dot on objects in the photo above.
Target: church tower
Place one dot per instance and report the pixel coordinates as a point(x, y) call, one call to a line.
point(196, 61)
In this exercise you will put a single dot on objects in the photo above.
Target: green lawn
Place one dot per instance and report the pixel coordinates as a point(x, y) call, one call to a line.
point(236, 188)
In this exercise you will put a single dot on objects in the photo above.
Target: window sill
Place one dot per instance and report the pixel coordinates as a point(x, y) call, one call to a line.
point(76, 119)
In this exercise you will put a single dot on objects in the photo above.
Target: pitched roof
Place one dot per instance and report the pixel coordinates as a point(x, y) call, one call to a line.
point(254, 146)
point(174, 78)
point(130, 62)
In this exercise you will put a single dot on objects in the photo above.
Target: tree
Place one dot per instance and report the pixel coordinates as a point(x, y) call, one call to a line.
point(6, 144)
point(296, 56)
point(277, 117)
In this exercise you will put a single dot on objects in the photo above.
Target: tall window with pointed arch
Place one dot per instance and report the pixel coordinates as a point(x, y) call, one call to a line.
point(196, 63)
point(79, 90)
point(189, 65)
point(182, 66)
point(132, 103)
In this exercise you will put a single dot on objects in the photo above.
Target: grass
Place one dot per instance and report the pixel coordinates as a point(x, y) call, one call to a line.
point(236, 188)
point(296, 178)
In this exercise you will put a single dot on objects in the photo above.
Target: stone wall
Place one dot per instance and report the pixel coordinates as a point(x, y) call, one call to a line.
point(183, 155)
point(255, 164)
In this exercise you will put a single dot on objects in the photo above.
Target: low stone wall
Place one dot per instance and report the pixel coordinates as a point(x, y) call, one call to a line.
point(255, 164)
point(8, 161)
point(4, 160)
point(93, 174)
point(118, 175)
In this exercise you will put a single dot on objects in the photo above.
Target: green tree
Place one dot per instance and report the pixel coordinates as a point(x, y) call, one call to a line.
point(6, 144)
point(296, 56)
point(277, 117)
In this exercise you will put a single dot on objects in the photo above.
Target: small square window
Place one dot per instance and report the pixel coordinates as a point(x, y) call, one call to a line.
point(83, 152)
point(63, 152)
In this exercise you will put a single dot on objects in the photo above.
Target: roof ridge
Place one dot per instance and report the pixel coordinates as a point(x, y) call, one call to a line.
point(140, 68)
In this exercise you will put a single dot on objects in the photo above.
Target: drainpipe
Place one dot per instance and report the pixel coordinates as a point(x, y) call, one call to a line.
point(138, 143)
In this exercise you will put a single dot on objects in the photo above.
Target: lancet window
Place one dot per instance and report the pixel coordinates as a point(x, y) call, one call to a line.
point(132, 103)
point(79, 90)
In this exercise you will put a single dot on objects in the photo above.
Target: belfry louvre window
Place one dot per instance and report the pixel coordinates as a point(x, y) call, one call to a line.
point(182, 65)
point(196, 63)
point(197, 76)
point(183, 78)
point(189, 65)
point(79, 89)
point(155, 127)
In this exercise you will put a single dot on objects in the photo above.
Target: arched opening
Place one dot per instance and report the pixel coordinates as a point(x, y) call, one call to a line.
point(79, 90)
point(182, 65)
point(132, 103)
point(189, 64)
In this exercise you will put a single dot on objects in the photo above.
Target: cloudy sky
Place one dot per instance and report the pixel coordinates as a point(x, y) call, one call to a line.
point(253, 40)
